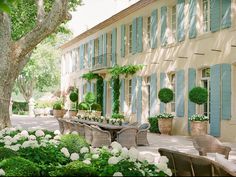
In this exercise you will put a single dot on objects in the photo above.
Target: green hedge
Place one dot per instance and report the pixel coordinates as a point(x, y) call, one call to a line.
point(20, 107)
point(153, 125)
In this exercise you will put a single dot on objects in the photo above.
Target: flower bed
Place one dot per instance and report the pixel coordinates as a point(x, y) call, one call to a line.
point(41, 152)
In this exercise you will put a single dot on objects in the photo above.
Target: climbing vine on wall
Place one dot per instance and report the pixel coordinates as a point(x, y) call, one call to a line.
point(100, 91)
point(90, 76)
point(116, 95)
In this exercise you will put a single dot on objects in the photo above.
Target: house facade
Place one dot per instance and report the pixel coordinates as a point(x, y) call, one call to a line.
point(181, 43)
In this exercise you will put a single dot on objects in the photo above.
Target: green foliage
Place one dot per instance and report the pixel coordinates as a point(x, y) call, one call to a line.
point(198, 95)
point(6, 153)
point(6, 5)
point(76, 168)
point(83, 106)
point(73, 96)
point(57, 105)
point(198, 117)
point(19, 107)
point(72, 142)
point(116, 95)
point(90, 98)
point(18, 166)
point(96, 107)
point(153, 124)
point(90, 76)
point(166, 95)
point(165, 116)
point(44, 104)
point(118, 116)
point(126, 70)
point(100, 91)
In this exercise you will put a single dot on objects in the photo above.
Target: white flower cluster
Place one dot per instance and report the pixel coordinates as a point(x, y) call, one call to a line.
point(2, 172)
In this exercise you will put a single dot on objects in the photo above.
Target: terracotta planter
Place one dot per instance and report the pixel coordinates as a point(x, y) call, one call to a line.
point(73, 113)
point(58, 113)
point(198, 128)
point(165, 126)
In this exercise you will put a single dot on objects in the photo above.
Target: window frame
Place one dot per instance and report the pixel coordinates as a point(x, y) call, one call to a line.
point(172, 77)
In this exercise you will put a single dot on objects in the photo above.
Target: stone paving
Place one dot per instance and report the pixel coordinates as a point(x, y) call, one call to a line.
point(156, 141)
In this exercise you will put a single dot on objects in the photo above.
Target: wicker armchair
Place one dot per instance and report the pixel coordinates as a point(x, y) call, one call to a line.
point(209, 144)
point(88, 133)
point(100, 137)
point(134, 124)
point(142, 134)
point(61, 125)
point(80, 128)
point(127, 137)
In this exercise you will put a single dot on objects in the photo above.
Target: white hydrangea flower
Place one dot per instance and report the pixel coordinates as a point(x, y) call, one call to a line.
point(25, 144)
point(168, 172)
point(8, 142)
point(74, 133)
point(57, 132)
point(32, 137)
point(116, 145)
point(133, 153)
point(162, 166)
point(43, 144)
point(39, 133)
point(7, 138)
point(52, 141)
point(95, 156)
point(24, 133)
point(141, 157)
point(74, 156)
point(87, 161)
point(163, 159)
point(113, 160)
point(18, 127)
point(16, 137)
point(48, 136)
point(65, 152)
point(115, 151)
point(57, 137)
point(2, 172)
point(124, 153)
point(15, 147)
point(1, 135)
point(94, 150)
point(117, 174)
point(84, 150)
point(34, 144)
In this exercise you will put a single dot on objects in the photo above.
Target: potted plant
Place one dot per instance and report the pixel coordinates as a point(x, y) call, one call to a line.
point(74, 99)
point(83, 107)
point(165, 95)
point(198, 95)
point(57, 109)
point(119, 118)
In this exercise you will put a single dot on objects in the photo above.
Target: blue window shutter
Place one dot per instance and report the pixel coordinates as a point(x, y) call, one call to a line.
point(179, 96)
point(105, 49)
point(89, 54)
point(122, 50)
point(122, 95)
point(226, 91)
point(162, 85)
point(88, 87)
point(191, 85)
point(139, 99)
point(215, 100)
point(215, 15)
point(140, 34)
point(153, 33)
point(92, 52)
point(153, 94)
point(133, 99)
point(81, 93)
point(92, 88)
point(180, 20)
point(100, 49)
point(134, 36)
point(226, 14)
point(113, 46)
point(163, 25)
point(81, 56)
point(104, 97)
point(192, 19)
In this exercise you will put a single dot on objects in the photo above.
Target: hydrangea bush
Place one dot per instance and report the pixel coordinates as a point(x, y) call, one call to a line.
point(53, 154)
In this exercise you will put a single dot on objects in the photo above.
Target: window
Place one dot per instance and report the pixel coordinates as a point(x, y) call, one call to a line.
point(172, 83)
point(149, 94)
point(206, 12)
point(130, 92)
point(96, 51)
point(205, 80)
point(130, 38)
point(173, 21)
point(149, 30)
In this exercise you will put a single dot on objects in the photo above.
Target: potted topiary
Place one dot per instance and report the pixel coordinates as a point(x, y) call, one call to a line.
point(74, 99)
point(165, 95)
point(83, 107)
point(198, 95)
point(57, 109)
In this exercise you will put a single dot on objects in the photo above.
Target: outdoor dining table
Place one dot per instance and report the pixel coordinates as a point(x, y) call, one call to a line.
point(113, 129)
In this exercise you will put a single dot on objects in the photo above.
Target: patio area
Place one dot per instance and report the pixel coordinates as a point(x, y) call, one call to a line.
point(156, 141)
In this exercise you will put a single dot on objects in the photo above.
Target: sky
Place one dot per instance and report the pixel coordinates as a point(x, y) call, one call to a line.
point(95, 11)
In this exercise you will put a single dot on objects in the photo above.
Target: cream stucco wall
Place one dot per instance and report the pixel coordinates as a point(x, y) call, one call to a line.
point(214, 48)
